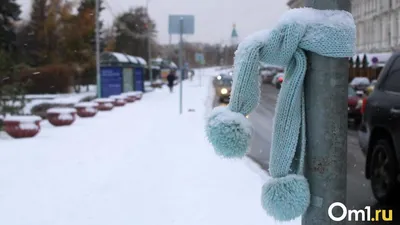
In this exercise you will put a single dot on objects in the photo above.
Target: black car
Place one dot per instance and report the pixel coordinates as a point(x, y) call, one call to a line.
point(379, 133)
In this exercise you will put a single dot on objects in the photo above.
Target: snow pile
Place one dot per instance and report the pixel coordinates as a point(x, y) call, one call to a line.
point(104, 100)
point(61, 110)
point(22, 119)
point(65, 114)
point(87, 104)
point(25, 122)
point(66, 99)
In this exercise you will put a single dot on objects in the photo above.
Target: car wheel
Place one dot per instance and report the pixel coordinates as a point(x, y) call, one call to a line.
point(383, 172)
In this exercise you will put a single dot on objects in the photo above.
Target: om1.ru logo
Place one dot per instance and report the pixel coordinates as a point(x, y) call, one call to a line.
point(360, 215)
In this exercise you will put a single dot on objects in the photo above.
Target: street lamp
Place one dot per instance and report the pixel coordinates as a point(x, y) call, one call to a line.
point(148, 42)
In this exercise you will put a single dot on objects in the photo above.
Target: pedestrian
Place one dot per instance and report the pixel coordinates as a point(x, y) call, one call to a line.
point(171, 78)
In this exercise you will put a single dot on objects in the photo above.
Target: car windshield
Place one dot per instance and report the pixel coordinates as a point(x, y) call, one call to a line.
point(226, 82)
point(351, 92)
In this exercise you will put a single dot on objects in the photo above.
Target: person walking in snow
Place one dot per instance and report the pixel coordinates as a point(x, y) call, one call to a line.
point(171, 78)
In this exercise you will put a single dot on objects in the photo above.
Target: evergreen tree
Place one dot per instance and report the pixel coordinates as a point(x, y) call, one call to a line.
point(35, 43)
point(9, 14)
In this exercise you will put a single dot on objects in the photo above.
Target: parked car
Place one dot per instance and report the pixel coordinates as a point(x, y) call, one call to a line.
point(267, 75)
point(370, 88)
point(360, 83)
point(354, 104)
point(218, 78)
point(379, 133)
point(278, 80)
point(223, 88)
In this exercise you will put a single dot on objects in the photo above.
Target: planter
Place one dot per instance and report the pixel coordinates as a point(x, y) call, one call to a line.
point(129, 97)
point(22, 126)
point(105, 104)
point(86, 109)
point(61, 116)
point(119, 100)
point(137, 95)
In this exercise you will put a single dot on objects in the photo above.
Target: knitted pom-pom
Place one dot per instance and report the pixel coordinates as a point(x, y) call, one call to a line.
point(286, 198)
point(229, 132)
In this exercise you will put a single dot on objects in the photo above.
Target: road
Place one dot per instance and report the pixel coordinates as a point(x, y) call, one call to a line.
point(359, 192)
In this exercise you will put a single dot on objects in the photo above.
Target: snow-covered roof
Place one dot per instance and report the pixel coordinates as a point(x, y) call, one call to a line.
point(141, 61)
point(133, 59)
point(382, 58)
point(159, 60)
point(173, 65)
point(120, 57)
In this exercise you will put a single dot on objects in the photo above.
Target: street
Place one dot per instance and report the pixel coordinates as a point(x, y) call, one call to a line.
point(359, 192)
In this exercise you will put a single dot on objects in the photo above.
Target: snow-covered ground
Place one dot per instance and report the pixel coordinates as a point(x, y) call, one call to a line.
point(142, 164)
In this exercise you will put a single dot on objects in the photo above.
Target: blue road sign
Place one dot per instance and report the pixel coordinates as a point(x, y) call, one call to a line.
point(174, 26)
point(139, 83)
point(111, 81)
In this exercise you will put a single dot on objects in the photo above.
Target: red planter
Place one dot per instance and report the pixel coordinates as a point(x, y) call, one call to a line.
point(86, 109)
point(119, 100)
point(130, 99)
point(61, 116)
point(137, 95)
point(105, 104)
point(22, 126)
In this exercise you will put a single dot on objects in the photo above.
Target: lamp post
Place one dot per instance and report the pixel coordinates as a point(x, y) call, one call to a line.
point(148, 42)
point(98, 83)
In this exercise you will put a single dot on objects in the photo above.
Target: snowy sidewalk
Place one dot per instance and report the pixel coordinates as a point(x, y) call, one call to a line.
point(142, 164)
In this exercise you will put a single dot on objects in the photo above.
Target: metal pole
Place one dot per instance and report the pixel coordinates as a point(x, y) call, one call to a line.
point(148, 43)
point(181, 64)
point(98, 77)
point(326, 86)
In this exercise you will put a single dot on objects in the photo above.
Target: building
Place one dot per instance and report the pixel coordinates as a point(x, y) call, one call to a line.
point(377, 21)
point(234, 36)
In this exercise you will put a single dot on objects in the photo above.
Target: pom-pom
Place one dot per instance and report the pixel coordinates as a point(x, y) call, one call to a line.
point(286, 198)
point(229, 132)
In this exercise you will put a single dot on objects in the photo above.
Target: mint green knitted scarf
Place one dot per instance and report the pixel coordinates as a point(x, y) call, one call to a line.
point(328, 33)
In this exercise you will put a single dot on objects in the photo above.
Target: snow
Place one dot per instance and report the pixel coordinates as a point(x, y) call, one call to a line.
point(120, 57)
point(104, 100)
point(132, 59)
point(62, 99)
point(28, 126)
point(87, 104)
point(128, 167)
point(65, 116)
point(90, 110)
point(333, 18)
point(359, 81)
point(141, 61)
point(108, 105)
point(61, 110)
point(117, 97)
point(22, 119)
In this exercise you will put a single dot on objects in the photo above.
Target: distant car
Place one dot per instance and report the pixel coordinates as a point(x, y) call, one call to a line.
point(218, 78)
point(360, 83)
point(223, 88)
point(278, 80)
point(354, 104)
point(267, 75)
point(370, 88)
point(379, 133)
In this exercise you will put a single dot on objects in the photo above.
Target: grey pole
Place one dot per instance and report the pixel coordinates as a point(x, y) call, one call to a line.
point(181, 64)
point(149, 44)
point(98, 83)
point(326, 87)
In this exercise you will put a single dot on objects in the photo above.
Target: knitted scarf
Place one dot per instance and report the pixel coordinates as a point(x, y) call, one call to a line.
point(330, 33)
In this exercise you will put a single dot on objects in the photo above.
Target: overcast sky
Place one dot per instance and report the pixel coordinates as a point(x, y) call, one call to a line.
point(213, 18)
